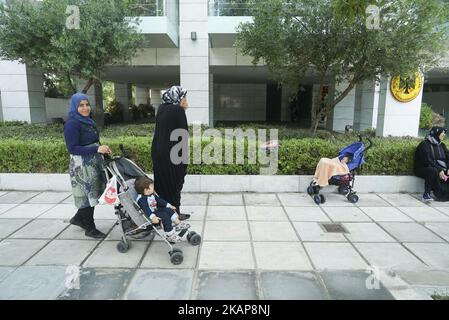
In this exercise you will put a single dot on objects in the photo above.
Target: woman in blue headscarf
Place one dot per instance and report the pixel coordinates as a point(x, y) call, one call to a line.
point(169, 173)
point(86, 163)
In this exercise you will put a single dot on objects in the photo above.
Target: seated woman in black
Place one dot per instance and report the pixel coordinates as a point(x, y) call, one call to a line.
point(431, 164)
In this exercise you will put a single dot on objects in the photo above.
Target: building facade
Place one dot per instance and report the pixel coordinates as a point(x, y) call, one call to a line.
point(191, 43)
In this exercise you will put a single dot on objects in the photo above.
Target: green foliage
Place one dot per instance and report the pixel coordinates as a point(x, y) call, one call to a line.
point(332, 39)
point(108, 92)
point(37, 34)
point(115, 110)
point(425, 120)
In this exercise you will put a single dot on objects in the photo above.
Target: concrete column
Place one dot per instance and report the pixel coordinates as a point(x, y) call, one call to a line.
point(366, 105)
point(142, 95)
point(397, 118)
point(194, 58)
point(343, 113)
point(123, 94)
point(22, 93)
point(156, 98)
point(211, 100)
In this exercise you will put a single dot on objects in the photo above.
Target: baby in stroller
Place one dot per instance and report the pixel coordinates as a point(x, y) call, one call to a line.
point(159, 210)
point(339, 171)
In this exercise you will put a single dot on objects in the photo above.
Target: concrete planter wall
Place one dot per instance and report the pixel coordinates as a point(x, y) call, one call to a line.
point(226, 183)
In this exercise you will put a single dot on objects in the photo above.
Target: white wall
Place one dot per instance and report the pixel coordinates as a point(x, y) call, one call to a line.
point(235, 102)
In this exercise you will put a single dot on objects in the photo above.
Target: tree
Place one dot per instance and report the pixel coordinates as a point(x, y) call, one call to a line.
point(47, 35)
point(323, 38)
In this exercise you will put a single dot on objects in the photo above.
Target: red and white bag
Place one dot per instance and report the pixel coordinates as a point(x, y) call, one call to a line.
point(110, 195)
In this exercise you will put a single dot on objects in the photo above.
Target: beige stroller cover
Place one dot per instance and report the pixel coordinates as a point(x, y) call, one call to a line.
point(327, 168)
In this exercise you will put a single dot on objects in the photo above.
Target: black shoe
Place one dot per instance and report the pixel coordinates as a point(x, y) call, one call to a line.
point(183, 216)
point(77, 222)
point(94, 233)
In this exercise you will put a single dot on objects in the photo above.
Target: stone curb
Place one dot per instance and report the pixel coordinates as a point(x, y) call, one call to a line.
point(226, 183)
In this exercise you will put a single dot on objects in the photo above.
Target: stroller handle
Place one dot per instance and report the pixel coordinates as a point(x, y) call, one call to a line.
point(369, 140)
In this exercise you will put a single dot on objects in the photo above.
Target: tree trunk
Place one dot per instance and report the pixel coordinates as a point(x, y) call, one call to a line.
point(70, 82)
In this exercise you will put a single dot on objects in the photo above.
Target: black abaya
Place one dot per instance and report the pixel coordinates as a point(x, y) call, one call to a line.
point(169, 177)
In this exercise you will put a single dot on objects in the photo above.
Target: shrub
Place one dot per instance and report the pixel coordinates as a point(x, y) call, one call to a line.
point(425, 120)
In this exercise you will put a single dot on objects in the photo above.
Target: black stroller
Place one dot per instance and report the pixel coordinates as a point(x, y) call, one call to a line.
point(131, 218)
point(345, 182)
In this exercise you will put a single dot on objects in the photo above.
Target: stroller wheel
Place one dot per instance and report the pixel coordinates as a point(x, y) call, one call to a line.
point(309, 190)
point(176, 250)
point(189, 235)
point(195, 239)
point(176, 258)
point(343, 190)
point(317, 199)
point(323, 199)
point(353, 198)
point(316, 189)
point(122, 247)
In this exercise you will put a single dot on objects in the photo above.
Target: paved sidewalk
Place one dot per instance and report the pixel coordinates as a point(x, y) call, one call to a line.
point(255, 246)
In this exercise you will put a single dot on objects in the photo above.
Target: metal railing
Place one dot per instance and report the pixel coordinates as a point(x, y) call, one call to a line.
point(150, 8)
point(231, 7)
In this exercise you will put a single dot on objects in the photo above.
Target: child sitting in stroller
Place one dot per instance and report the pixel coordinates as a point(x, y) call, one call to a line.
point(327, 168)
point(157, 209)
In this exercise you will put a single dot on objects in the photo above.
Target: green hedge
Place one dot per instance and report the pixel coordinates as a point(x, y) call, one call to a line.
point(389, 156)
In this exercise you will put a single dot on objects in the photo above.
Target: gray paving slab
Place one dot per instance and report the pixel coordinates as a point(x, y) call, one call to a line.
point(336, 200)
point(193, 199)
point(99, 284)
point(371, 200)
point(5, 272)
point(34, 283)
point(226, 256)
point(425, 277)
point(227, 199)
point(424, 214)
point(401, 200)
point(306, 214)
point(225, 213)
point(313, 232)
point(50, 197)
point(60, 211)
point(2, 193)
point(291, 286)
point(296, 200)
point(261, 213)
point(157, 256)
point(337, 256)
point(226, 286)
point(388, 256)
point(261, 199)
point(17, 196)
point(40, 229)
point(26, 211)
point(435, 255)
point(8, 226)
point(160, 285)
point(272, 231)
point(281, 256)
point(14, 252)
point(6, 206)
point(226, 231)
point(76, 233)
point(69, 200)
point(366, 232)
point(346, 214)
point(63, 253)
point(380, 214)
point(344, 285)
point(442, 229)
point(410, 232)
point(105, 212)
point(106, 255)
point(197, 212)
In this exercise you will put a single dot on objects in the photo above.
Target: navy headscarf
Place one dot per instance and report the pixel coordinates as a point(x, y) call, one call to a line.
point(73, 109)
point(174, 95)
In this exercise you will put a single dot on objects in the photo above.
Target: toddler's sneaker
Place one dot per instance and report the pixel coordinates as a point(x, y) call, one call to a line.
point(182, 226)
point(173, 238)
point(426, 197)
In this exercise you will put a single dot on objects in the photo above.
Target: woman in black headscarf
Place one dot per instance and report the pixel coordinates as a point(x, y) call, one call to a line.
point(168, 173)
point(431, 164)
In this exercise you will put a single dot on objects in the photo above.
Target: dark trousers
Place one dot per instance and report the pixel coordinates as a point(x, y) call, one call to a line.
point(431, 178)
point(86, 215)
point(165, 215)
